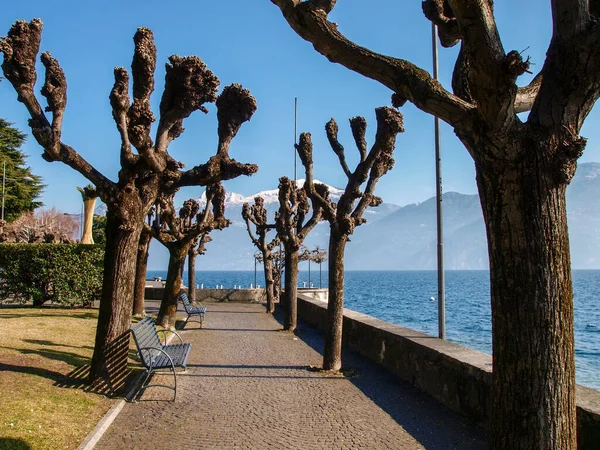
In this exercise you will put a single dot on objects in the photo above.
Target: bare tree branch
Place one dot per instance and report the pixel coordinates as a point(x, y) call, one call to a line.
point(332, 132)
point(440, 13)
point(248, 217)
point(359, 129)
point(319, 196)
point(120, 103)
point(235, 106)
point(20, 50)
point(140, 115)
point(408, 81)
point(569, 17)
point(188, 85)
point(55, 91)
point(527, 94)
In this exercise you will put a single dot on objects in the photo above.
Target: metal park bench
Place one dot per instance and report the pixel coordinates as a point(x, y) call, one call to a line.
point(156, 355)
point(193, 310)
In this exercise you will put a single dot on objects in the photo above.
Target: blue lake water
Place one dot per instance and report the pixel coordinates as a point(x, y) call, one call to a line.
point(404, 298)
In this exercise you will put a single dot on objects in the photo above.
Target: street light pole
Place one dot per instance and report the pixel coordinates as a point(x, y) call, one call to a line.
point(438, 196)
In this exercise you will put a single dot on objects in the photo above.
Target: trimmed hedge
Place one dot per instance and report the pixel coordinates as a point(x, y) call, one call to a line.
point(68, 274)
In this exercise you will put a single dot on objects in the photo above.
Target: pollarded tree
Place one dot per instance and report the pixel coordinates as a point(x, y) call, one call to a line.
point(257, 215)
point(141, 267)
point(178, 234)
point(523, 168)
point(278, 257)
point(198, 247)
point(348, 212)
point(188, 86)
point(292, 229)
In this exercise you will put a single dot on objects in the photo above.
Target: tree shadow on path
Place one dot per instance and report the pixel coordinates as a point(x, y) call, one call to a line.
point(433, 424)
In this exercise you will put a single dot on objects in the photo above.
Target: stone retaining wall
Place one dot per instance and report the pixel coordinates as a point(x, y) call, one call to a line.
point(458, 377)
point(233, 295)
point(215, 295)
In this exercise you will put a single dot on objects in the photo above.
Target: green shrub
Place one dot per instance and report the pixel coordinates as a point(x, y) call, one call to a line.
point(68, 274)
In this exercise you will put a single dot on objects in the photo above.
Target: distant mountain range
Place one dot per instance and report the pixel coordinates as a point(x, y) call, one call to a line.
point(404, 238)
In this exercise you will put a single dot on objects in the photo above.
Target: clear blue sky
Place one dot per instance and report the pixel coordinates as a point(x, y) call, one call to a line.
point(249, 42)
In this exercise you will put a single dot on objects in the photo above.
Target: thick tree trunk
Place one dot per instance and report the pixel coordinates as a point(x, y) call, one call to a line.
point(291, 289)
point(533, 401)
point(332, 355)
point(140, 275)
point(276, 285)
point(87, 236)
point(167, 314)
point(192, 274)
point(269, 285)
point(109, 361)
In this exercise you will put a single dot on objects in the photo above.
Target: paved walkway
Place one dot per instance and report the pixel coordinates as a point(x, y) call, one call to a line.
point(247, 387)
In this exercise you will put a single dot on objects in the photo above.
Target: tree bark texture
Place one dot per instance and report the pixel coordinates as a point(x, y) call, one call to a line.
point(257, 215)
point(188, 86)
point(140, 274)
point(192, 274)
point(109, 361)
point(345, 215)
point(532, 306)
point(269, 284)
point(332, 354)
point(523, 167)
point(167, 315)
point(291, 289)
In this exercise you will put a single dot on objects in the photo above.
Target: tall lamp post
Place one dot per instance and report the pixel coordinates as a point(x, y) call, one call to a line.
point(4, 179)
point(438, 196)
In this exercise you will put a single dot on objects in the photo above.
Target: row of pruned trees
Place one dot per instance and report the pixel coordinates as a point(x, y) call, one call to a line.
point(525, 142)
point(148, 174)
point(301, 208)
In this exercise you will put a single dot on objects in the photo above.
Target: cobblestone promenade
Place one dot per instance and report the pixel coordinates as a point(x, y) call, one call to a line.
point(247, 387)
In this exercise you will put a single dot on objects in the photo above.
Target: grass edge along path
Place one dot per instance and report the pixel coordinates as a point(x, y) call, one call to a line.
point(44, 360)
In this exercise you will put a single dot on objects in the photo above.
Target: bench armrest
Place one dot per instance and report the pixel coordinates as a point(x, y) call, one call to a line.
point(169, 331)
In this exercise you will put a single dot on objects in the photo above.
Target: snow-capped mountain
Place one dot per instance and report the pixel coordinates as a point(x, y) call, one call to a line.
point(270, 196)
point(403, 238)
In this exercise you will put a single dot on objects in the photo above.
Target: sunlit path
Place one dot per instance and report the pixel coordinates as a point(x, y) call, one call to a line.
point(247, 386)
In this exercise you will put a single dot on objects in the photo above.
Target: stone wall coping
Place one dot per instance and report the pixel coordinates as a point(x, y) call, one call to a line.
point(478, 364)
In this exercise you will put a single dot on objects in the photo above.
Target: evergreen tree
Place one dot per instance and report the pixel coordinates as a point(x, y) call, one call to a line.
point(19, 195)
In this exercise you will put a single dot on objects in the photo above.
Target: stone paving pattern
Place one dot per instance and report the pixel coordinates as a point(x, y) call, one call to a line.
point(247, 387)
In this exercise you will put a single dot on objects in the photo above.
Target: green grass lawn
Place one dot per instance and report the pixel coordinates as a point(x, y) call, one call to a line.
point(44, 356)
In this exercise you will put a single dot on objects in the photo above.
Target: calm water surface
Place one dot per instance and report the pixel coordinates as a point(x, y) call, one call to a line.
point(407, 298)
